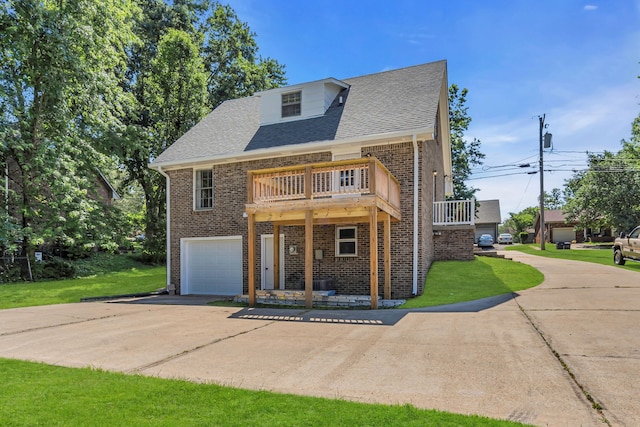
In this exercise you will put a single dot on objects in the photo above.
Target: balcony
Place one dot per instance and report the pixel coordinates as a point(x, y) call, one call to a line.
point(348, 191)
point(454, 212)
point(339, 191)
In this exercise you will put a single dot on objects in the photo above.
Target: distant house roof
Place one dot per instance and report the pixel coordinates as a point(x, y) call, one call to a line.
point(387, 103)
point(554, 215)
point(488, 212)
point(113, 194)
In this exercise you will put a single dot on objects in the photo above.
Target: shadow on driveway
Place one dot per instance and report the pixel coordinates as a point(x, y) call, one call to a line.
point(381, 317)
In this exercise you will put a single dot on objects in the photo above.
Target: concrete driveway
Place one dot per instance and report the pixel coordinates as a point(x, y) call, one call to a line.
point(532, 357)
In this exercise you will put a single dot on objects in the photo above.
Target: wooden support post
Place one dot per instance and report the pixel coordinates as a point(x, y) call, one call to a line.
point(308, 259)
point(372, 176)
point(387, 256)
point(373, 255)
point(308, 183)
point(251, 259)
point(249, 187)
point(276, 256)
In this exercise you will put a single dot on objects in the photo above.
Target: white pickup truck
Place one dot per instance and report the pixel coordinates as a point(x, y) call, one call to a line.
point(627, 246)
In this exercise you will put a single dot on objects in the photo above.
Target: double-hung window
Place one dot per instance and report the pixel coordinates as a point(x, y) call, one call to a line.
point(346, 241)
point(204, 189)
point(291, 104)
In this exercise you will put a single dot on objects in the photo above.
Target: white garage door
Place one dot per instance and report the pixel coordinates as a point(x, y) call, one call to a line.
point(563, 234)
point(211, 266)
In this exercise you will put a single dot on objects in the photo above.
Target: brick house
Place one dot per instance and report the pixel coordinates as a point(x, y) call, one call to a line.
point(559, 229)
point(349, 174)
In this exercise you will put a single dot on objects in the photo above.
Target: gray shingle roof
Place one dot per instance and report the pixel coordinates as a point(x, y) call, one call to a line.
point(489, 212)
point(393, 101)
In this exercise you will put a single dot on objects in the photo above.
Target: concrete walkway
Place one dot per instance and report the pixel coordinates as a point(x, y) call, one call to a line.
point(537, 357)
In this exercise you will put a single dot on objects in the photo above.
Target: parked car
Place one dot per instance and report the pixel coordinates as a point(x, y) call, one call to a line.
point(505, 238)
point(627, 247)
point(485, 240)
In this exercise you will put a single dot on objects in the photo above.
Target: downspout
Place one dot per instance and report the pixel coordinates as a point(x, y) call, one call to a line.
point(168, 220)
point(416, 181)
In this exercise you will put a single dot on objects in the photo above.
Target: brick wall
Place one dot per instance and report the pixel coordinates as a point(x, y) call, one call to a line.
point(350, 273)
point(454, 243)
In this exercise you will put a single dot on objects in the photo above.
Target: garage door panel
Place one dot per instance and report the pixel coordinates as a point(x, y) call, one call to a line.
point(212, 266)
point(563, 234)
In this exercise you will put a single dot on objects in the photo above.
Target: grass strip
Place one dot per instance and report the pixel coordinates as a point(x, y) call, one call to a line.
point(596, 255)
point(135, 280)
point(450, 282)
point(39, 394)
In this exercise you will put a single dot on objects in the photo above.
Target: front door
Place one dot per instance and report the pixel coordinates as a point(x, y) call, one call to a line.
point(267, 261)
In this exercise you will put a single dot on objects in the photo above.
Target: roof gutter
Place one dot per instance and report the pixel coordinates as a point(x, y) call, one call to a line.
point(416, 181)
point(297, 149)
point(168, 220)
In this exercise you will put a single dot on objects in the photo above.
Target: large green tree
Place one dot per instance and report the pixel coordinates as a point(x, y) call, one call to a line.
point(607, 193)
point(61, 66)
point(464, 154)
point(193, 55)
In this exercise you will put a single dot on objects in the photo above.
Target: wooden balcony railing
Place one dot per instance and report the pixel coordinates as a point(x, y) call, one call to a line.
point(454, 212)
point(365, 176)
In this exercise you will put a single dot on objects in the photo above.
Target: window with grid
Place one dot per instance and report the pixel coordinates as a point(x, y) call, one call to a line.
point(291, 104)
point(204, 189)
point(346, 241)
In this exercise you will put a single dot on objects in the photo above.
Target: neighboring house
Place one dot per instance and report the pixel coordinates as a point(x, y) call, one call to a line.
point(104, 190)
point(488, 219)
point(346, 174)
point(559, 229)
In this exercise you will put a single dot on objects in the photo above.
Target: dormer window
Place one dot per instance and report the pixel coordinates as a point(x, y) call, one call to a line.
point(291, 103)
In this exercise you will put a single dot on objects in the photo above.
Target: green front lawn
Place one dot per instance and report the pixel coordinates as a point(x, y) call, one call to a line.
point(134, 280)
point(596, 255)
point(39, 394)
point(449, 282)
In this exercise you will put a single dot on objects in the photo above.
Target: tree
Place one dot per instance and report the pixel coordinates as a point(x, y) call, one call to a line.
point(519, 222)
point(465, 155)
point(606, 193)
point(230, 53)
point(59, 89)
point(193, 55)
point(554, 200)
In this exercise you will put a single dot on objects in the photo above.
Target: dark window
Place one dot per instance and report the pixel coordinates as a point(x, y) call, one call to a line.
point(346, 241)
point(291, 104)
point(204, 189)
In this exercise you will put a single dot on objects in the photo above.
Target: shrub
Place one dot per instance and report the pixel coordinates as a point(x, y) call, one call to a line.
point(54, 268)
point(523, 237)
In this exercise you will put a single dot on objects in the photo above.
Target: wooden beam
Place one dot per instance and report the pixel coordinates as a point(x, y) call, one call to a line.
point(308, 177)
point(373, 256)
point(372, 175)
point(249, 187)
point(387, 257)
point(308, 259)
point(276, 256)
point(251, 259)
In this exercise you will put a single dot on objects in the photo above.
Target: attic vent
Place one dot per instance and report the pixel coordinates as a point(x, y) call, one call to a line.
point(340, 100)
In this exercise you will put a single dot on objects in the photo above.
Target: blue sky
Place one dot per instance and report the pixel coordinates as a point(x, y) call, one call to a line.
point(575, 61)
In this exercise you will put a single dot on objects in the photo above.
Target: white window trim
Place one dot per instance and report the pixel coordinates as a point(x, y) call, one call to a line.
point(282, 104)
point(195, 189)
point(354, 240)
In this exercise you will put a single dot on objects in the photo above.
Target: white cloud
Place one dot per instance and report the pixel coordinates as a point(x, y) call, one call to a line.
point(590, 7)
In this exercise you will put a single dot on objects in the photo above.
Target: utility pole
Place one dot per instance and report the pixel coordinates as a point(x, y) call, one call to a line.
point(542, 224)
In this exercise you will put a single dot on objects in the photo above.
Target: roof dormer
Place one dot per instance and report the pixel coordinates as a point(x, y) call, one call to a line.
point(298, 102)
